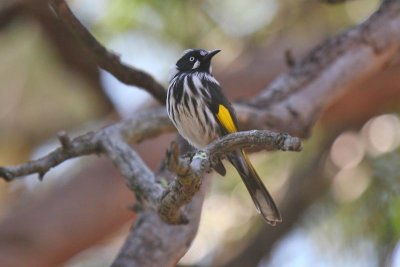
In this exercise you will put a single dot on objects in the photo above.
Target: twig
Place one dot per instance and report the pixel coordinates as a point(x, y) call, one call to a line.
point(106, 59)
point(260, 139)
point(64, 139)
point(143, 125)
point(80, 146)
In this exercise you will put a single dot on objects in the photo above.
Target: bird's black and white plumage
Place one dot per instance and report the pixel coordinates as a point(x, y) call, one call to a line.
point(201, 113)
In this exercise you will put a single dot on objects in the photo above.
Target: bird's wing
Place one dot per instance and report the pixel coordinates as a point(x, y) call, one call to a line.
point(225, 119)
point(222, 109)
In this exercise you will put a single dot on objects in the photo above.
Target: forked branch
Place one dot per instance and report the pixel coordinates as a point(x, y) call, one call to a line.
point(112, 142)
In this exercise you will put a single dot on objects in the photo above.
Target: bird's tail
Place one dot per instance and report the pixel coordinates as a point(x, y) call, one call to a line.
point(260, 195)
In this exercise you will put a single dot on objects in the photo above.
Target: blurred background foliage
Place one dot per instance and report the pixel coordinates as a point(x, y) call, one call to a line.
point(350, 216)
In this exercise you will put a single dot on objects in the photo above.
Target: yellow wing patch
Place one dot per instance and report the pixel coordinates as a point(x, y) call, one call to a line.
point(225, 118)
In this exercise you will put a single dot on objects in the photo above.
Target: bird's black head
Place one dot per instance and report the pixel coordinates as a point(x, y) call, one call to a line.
point(196, 60)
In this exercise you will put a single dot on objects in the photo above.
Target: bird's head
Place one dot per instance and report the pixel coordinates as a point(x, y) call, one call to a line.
point(196, 60)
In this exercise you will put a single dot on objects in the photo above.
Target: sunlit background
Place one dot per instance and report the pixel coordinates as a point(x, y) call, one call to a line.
point(350, 216)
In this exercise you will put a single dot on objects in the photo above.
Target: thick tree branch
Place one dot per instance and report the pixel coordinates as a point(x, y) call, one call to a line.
point(168, 243)
point(295, 100)
point(106, 59)
point(140, 179)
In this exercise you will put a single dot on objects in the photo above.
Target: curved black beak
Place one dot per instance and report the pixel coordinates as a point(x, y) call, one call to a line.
point(210, 54)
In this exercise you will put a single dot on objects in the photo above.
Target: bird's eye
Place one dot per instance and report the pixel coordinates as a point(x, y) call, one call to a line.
point(191, 58)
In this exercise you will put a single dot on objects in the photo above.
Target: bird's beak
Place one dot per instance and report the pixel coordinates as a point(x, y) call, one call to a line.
point(210, 54)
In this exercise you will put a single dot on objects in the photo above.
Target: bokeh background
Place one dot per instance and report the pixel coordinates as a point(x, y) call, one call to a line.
point(344, 185)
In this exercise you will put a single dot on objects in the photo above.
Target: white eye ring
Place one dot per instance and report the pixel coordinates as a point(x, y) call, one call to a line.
point(191, 58)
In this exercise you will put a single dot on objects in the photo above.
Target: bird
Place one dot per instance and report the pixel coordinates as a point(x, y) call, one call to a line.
point(201, 112)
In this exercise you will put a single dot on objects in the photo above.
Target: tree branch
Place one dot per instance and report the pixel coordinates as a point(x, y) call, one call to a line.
point(106, 59)
point(295, 100)
point(140, 179)
point(80, 146)
point(191, 171)
point(168, 243)
point(143, 125)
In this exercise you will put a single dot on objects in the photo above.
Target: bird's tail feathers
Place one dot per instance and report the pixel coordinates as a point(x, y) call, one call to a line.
point(258, 192)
